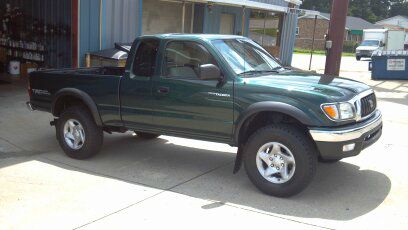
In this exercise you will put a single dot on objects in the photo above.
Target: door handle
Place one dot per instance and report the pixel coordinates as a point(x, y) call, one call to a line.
point(163, 90)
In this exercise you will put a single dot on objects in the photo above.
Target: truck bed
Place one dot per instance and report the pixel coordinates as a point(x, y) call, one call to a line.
point(101, 84)
point(95, 71)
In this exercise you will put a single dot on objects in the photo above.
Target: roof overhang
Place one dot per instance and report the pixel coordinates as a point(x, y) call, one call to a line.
point(250, 4)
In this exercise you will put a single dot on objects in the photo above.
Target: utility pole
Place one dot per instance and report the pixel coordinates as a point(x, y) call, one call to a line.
point(313, 41)
point(336, 36)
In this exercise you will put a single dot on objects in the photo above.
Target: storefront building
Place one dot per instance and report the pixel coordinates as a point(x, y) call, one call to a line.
point(69, 29)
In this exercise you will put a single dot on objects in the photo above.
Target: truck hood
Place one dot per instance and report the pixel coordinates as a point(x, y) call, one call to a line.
point(331, 88)
point(369, 48)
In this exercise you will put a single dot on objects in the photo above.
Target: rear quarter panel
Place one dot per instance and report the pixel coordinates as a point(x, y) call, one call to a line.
point(103, 89)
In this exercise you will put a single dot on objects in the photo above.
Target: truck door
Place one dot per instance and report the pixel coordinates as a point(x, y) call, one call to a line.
point(136, 86)
point(184, 104)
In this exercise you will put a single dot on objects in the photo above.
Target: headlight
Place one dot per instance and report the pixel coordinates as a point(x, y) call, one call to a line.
point(339, 111)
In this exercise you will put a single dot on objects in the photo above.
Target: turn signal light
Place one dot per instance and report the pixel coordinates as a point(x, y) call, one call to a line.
point(331, 111)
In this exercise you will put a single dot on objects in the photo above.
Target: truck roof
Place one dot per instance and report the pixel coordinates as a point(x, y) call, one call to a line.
point(193, 36)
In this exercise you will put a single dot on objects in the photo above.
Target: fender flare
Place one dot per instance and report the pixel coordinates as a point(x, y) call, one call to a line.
point(270, 106)
point(84, 97)
point(265, 107)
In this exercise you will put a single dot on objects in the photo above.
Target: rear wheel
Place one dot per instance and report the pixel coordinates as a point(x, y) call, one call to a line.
point(147, 135)
point(78, 134)
point(358, 58)
point(280, 160)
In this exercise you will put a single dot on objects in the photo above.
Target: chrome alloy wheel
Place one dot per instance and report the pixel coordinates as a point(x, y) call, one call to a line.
point(74, 134)
point(275, 162)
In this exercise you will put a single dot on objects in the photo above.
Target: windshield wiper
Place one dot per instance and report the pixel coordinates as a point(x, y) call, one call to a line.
point(250, 72)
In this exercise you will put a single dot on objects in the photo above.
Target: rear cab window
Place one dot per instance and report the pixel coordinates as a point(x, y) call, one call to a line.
point(144, 64)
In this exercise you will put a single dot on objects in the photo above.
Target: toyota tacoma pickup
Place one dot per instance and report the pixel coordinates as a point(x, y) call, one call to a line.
point(217, 88)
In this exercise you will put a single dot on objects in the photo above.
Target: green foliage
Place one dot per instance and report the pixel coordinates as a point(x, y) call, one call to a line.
point(399, 8)
point(268, 31)
point(319, 5)
point(319, 52)
point(370, 10)
point(350, 46)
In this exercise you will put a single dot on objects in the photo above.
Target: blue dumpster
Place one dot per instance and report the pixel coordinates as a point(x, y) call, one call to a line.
point(389, 65)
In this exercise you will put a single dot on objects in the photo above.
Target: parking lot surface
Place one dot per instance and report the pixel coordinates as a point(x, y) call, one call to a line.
point(180, 183)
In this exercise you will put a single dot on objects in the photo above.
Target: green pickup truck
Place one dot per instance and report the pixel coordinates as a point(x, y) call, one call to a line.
point(217, 88)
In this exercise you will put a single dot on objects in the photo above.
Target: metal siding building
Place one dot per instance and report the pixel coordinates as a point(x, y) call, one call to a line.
point(288, 37)
point(273, 2)
point(120, 20)
point(212, 19)
point(89, 27)
point(104, 22)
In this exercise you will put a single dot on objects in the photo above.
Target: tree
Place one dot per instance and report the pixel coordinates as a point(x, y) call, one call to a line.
point(362, 9)
point(370, 10)
point(399, 8)
point(319, 5)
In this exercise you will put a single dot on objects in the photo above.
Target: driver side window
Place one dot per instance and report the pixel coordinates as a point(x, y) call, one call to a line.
point(183, 59)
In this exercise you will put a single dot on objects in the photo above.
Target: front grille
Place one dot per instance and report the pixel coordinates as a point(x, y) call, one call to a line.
point(368, 105)
point(366, 52)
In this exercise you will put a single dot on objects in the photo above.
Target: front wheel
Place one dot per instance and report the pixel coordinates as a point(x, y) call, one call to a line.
point(280, 160)
point(78, 134)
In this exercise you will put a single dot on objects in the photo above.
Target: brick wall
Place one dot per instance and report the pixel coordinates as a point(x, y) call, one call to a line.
point(305, 37)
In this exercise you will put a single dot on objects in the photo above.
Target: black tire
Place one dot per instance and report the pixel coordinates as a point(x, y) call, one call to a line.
point(358, 58)
point(93, 134)
point(147, 136)
point(328, 161)
point(302, 150)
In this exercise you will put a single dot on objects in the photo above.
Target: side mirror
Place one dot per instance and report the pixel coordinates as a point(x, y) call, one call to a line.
point(210, 72)
point(382, 44)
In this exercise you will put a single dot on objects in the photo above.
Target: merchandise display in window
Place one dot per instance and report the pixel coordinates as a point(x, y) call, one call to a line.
point(36, 32)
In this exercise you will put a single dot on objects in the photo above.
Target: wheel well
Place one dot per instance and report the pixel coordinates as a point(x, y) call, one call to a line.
point(65, 102)
point(261, 119)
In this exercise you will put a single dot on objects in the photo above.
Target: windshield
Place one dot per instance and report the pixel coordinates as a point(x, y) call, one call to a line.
point(245, 56)
point(370, 43)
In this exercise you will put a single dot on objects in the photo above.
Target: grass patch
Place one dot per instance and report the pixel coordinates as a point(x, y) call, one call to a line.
point(320, 52)
point(269, 31)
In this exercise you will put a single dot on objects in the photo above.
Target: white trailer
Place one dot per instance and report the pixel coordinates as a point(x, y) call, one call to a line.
point(380, 39)
point(395, 40)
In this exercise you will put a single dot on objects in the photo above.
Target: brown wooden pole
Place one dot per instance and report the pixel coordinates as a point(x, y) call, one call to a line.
point(313, 42)
point(336, 35)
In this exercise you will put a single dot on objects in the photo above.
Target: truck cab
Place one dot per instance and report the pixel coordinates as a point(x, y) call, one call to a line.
point(368, 47)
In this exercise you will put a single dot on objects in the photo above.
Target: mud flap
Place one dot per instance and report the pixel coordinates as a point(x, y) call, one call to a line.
point(54, 122)
point(238, 160)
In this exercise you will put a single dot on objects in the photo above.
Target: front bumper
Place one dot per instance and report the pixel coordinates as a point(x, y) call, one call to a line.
point(330, 141)
point(364, 54)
